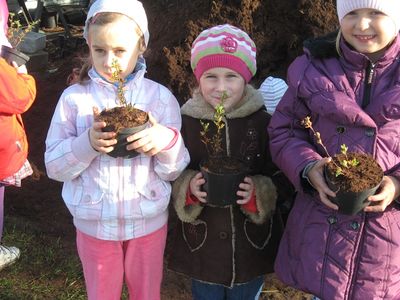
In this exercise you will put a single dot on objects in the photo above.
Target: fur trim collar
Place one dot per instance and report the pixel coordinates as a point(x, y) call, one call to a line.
point(197, 108)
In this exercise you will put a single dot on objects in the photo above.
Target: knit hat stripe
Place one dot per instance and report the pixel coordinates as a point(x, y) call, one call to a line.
point(216, 45)
point(231, 62)
point(224, 46)
point(247, 58)
point(217, 40)
point(222, 29)
point(391, 8)
point(218, 37)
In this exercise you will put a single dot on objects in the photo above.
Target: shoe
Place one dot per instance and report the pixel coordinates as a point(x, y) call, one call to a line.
point(8, 255)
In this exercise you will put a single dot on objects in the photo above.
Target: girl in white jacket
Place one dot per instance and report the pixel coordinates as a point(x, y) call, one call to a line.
point(119, 206)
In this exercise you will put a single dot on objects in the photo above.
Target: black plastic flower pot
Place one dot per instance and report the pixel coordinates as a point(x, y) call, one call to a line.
point(11, 54)
point(349, 202)
point(120, 148)
point(221, 184)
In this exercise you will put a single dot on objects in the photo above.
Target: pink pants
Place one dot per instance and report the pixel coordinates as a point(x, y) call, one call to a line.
point(106, 264)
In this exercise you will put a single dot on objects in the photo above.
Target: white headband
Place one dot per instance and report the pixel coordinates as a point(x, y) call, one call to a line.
point(391, 8)
point(130, 8)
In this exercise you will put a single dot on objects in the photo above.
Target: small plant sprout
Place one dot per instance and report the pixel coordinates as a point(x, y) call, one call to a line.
point(306, 123)
point(117, 78)
point(214, 143)
point(345, 163)
point(16, 32)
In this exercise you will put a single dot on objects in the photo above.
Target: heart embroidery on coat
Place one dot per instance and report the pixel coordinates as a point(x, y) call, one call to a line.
point(194, 234)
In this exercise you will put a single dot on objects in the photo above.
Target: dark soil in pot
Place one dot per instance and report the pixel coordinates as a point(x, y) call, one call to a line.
point(356, 184)
point(223, 176)
point(11, 54)
point(125, 121)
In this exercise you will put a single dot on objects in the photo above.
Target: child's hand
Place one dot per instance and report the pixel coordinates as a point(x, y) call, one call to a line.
point(101, 141)
point(246, 191)
point(388, 191)
point(317, 180)
point(195, 187)
point(151, 140)
point(21, 69)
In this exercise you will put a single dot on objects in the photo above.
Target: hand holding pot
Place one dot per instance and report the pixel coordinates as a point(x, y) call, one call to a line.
point(316, 177)
point(152, 140)
point(387, 192)
point(246, 191)
point(101, 141)
point(20, 69)
point(195, 187)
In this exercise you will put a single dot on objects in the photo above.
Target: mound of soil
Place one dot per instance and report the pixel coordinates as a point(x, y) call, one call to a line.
point(278, 28)
point(122, 117)
point(365, 175)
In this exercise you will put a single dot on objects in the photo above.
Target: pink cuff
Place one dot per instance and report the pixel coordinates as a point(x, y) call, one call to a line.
point(174, 139)
point(191, 199)
point(251, 206)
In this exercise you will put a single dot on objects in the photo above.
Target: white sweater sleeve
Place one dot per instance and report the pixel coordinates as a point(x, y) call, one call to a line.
point(68, 152)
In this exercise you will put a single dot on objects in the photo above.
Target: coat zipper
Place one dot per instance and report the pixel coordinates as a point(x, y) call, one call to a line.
point(369, 73)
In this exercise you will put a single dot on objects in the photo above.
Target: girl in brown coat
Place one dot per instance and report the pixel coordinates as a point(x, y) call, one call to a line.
point(226, 250)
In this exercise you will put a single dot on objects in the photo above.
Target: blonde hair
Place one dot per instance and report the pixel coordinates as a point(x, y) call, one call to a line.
point(102, 19)
point(337, 43)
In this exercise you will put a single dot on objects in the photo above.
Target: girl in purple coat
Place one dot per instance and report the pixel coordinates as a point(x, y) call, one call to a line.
point(350, 87)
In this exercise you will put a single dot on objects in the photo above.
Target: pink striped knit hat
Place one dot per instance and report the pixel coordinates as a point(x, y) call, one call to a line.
point(391, 8)
point(224, 46)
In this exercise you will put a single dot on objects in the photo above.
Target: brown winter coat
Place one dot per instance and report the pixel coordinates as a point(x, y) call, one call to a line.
point(227, 245)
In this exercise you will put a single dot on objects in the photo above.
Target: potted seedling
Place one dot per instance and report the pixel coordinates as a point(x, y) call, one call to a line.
point(124, 119)
point(353, 176)
point(15, 35)
point(222, 172)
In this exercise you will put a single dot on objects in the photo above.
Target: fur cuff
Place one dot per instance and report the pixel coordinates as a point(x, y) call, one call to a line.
point(266, 196)
point(186, 213)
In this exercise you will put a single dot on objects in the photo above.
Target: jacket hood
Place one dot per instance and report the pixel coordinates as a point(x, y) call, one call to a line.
point(322, 47)
point(198, 108)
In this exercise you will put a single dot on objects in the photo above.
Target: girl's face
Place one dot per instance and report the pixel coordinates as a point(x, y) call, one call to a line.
point(215, 81)
point(119, 40)
point(369, 31)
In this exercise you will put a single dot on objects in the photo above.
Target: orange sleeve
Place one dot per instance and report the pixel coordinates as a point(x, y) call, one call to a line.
point(17, 91)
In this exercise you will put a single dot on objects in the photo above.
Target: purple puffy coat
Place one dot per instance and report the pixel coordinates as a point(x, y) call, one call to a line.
point(323, 252)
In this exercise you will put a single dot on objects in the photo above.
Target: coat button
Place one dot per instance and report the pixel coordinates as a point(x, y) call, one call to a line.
point(223, 235)
point(340, 129)
point(153, 193)
point(332, 220)
point(369, 132)
point(355, 225)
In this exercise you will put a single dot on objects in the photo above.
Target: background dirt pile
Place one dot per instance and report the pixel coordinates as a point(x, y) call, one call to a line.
point(278, 28)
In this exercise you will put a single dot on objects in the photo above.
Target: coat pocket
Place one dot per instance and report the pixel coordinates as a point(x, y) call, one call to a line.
point(155, 198)
point(86, 203)
point(194, 234)
point(258, 235)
